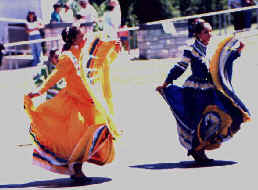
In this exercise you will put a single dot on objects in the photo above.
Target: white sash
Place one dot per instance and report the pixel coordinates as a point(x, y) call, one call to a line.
point(74, 61)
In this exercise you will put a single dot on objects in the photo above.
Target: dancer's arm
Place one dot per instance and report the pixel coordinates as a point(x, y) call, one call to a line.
point(57, 74)
point(177, 70)
point(235, 53)
point(63, 67)
point(241, 47)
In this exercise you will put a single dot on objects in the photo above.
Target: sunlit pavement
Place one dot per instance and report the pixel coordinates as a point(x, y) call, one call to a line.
point(148, 154)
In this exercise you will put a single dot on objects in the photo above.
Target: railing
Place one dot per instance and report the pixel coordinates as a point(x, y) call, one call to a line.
point(223, 19)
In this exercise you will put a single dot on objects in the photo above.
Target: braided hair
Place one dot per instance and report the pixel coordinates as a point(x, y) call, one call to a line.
point(69, 35)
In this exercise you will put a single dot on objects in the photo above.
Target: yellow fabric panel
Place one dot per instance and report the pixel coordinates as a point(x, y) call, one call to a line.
point(214, 70)
point(226, 121)
point(105, 85)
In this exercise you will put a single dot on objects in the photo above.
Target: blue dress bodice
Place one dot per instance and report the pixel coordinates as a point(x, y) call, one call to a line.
point(195, 56)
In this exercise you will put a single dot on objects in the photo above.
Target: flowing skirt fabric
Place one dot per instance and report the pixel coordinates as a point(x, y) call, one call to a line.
point(63, 137)
point(209, 116)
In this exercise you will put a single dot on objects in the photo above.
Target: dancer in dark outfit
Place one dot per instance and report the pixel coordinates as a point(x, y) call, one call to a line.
point(206, 108)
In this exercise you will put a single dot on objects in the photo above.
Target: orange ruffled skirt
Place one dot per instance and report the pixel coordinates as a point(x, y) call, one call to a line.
point(63, 137)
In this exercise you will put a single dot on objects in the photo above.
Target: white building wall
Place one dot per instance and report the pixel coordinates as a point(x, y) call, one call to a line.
point(18, 9)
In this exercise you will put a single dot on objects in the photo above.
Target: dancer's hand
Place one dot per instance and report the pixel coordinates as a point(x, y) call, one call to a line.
point(241, 47)
point(33, 95)
point(159, 88)
point(118, 45)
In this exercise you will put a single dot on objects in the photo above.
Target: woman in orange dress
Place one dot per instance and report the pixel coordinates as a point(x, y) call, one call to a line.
point(72, 127)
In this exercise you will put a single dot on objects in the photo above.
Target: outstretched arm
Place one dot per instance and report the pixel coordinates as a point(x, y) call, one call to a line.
point(63, 67)
point(177, 70)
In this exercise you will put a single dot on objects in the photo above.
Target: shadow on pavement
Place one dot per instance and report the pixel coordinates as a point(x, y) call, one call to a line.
point(58, 183)
point(183, 164)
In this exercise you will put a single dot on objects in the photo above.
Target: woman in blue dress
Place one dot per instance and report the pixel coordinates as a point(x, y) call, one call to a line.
point(206, 109)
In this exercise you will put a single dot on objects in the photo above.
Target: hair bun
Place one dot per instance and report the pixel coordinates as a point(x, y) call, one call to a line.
point(199, 21)
point(69, 35)
point(198, 24)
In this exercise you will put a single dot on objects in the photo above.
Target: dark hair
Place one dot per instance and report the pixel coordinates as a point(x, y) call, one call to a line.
point(1, 46)
point(110, 7)
point(34, 16)
point(57, 6)
point(66, 6)
point(83, 2)
point(52, 53)
point(69, 35)
point(1, 53)
point(78, 16)
point(198, 26)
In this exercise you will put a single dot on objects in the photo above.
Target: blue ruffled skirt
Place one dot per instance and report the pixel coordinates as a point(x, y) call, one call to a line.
point(207, 114)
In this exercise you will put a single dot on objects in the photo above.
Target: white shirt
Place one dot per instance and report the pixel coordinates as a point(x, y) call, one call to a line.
point(112, 22)
point(109, 26)
point(33, 25)
point(67, 16)
point(89, 13)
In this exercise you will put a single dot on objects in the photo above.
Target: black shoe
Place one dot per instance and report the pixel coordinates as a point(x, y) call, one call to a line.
point(80, 179)
point(79, 176)
point(204, 157)
point(199, 156)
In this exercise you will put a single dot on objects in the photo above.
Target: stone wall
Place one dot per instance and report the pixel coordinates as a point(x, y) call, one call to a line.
point(155, 43)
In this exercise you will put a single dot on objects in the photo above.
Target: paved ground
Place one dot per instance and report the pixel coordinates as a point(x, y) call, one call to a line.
point(148, 155)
